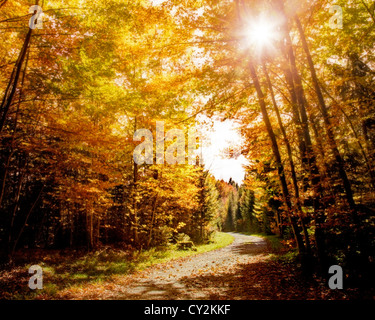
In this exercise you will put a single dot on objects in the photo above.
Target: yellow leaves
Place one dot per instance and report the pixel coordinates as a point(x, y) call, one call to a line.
point(94, 190)
point(180, 225)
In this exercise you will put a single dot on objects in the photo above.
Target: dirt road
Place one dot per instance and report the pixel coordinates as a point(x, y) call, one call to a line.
point(209, 275)
point(243, 270)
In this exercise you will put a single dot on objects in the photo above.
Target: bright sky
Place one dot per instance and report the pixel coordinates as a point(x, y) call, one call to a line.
point(223, 136)
point(157, 2)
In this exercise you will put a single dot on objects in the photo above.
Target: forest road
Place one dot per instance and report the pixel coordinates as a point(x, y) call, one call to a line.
point(212, 275)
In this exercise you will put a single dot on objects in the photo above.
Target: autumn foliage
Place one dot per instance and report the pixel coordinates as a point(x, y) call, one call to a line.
point(74, 93)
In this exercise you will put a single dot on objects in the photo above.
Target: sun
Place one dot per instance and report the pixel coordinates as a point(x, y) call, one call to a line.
point(261, 33)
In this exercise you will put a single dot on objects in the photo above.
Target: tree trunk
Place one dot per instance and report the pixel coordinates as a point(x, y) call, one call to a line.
point(290, 157)
point(295, 82)
point(327, 121)
point(276, 152)
point(10, 91)
point(152, 219)
point(135, 182)
point(25, 223)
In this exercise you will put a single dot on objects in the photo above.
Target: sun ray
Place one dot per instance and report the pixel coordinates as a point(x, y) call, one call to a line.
point(261, 33)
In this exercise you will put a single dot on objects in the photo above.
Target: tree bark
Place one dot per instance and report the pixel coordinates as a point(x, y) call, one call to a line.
point(276, 152)
point(294, 80)
point(135, 183)
point(326, 118)
point(10, 91)
point(290, 157)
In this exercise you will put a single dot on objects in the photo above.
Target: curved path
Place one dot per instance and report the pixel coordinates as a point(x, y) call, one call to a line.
point(210, 275)
point(243, 270)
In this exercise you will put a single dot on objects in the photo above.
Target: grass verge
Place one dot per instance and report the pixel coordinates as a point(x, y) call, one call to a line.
point(273, 240)
point(68, 271)
point(281, 251)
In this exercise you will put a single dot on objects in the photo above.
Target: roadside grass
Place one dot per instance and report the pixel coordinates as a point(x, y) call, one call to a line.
point(75, 272)
point(273, 241)
point(281, 251)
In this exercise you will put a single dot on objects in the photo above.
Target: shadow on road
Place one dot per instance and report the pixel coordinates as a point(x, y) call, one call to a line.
point(250, 248)
point(250, 274)
point(266, 280)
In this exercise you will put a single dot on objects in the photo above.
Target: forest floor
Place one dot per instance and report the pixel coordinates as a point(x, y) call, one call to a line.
point(244, 270)
point(250, 268)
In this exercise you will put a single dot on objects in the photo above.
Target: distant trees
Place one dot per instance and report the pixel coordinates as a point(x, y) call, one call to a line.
point(246, 211)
